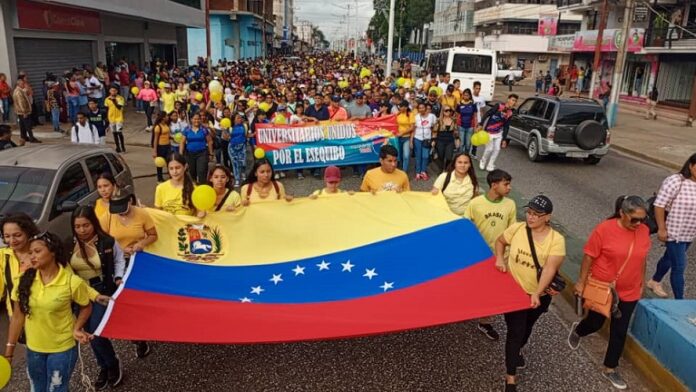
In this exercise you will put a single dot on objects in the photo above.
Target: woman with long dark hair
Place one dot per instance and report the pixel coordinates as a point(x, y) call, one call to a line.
point(106, 188)
point(227, 199)
point(260, 185)
point(406, 124)
point(677, 230)
point(98, 259)
point(445, 136)
point(458, 183)
point(43, 307)
point(615, 254)
point(17, 230)
point(174, 195)
point(161, 142)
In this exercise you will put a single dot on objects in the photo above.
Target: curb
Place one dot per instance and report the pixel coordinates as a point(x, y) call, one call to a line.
point(646, 157)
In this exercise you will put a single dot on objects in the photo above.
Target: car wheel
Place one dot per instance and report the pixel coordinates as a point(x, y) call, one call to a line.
point(533, 150)
point(592, 159)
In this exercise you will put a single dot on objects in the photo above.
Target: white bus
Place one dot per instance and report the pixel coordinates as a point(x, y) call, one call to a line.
point(466, 64)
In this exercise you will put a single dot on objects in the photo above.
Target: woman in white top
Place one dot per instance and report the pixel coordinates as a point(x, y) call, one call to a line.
point(458, 183)
point(421, 140)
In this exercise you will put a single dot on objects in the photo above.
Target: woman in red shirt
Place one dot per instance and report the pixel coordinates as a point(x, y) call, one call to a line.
point(615, 252)
point(5, 92)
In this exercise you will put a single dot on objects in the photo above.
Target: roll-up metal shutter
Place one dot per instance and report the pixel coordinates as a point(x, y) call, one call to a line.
point(38, 56)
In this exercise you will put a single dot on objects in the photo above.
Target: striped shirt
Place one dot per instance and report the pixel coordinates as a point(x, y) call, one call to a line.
point(678, 196)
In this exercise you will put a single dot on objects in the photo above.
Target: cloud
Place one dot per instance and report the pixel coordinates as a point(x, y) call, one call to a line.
point(332, 18)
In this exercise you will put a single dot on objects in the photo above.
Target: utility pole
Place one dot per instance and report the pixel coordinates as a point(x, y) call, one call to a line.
point(598, 48)
point(390, 38)
point(401, 25)
point(207, 35)
point(620, 63)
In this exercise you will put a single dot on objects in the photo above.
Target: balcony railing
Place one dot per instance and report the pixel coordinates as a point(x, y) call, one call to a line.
point(567, 3)
point(669, 37)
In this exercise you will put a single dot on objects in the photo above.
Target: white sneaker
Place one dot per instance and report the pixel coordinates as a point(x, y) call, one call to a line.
point(490, 168)
point(482, 165)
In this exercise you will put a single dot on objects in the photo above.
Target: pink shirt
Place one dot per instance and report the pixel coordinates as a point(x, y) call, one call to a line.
point(147, 95)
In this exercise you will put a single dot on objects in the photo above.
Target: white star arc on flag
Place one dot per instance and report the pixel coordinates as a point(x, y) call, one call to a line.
point(347, 266)
point(370, 273)
point(276, 278)
point(298, 270)
point(245, 300)
point(323, 265)
point(387, 285)
point(257, 290)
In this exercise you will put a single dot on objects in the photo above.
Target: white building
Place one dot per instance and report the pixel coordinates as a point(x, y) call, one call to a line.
point(511, 28)
point(284, 14)
point(453, 23)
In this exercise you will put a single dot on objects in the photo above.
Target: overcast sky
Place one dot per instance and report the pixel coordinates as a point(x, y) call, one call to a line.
point(331, 16)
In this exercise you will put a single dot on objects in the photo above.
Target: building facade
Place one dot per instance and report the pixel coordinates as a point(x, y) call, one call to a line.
point(39, 37)
point(513, 29)
point(284, 16)
point(239, 29)
point(453, 24)
point(661, 48)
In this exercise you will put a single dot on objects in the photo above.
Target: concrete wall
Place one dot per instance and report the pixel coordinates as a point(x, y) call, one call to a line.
point(163, 10)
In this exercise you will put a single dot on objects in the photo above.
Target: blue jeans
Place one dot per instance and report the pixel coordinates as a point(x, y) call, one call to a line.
point(139, 105)
point(51, 372)
point(5, 109)
point(674, 259)
point(405, 143)
point(73, 108)
point(237, 153)
point(465, 139)
point(422, 156)
point(102, 347)
point(55, 119)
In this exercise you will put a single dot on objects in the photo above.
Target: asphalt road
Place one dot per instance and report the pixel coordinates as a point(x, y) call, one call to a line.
point(448, 358)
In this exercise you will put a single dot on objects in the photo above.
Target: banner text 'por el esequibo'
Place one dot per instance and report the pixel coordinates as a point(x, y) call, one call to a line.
point(326, 143)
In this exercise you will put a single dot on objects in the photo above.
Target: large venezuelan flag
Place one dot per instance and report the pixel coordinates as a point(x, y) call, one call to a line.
point(338, 266)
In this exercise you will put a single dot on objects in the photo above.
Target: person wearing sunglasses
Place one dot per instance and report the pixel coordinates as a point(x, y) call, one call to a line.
point(549, 247)
point(615, 252)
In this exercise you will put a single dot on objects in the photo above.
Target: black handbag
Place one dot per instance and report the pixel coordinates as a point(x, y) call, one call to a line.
point(558, 283)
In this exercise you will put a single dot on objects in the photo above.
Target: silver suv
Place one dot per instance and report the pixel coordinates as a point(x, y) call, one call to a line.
point(49, 181)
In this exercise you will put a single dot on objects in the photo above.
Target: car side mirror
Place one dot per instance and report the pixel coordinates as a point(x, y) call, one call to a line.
point(67, 206)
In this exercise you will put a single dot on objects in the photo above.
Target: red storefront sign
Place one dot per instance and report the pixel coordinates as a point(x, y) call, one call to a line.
point(40, 16)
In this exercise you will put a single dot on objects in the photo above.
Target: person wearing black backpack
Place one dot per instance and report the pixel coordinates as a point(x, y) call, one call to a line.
point(458, 184)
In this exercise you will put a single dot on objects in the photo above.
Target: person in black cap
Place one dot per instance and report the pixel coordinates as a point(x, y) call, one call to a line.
point(536, 252)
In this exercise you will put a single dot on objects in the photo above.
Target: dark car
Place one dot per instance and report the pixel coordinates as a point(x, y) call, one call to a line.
point(572, 127)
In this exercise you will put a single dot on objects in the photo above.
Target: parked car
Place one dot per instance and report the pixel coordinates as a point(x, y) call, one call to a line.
point(573, 127)
point(48, 182)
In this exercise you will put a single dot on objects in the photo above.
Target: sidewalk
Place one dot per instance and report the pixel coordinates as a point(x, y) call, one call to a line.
point(666, 141)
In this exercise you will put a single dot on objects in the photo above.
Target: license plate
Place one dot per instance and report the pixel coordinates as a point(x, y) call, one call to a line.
point(577, 154)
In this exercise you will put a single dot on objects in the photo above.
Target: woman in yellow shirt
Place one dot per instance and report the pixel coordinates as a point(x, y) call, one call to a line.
point(458, 183)
point(98, 259)
point(549, 246)
point(106, 188)
point(16, 229)
point(174, 195)
point(43, 307)
point(131, 226)
point(406, 123)
point(227, 199)
point(260, 185)
point(161, 142)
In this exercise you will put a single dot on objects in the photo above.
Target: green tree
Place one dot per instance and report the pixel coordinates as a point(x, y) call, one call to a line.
point(319, 38)
point(409, 15)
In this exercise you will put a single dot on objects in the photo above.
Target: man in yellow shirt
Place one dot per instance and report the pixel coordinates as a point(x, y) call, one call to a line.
point(386, 177)
point(168, 99)
point(114, 104)
point(492, 213)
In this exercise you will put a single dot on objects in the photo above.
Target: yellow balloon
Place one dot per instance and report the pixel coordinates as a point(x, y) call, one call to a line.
point(311, 71)
point(259, 153)
point(214, 85)
point(215, 96)
point(280, 119)
point(400, 82)
point(364, 73)
point(343, 84)
point(225, 123)
point(135, 90)
point(199, 97)
point(160, 162)
point(265, 106)
point(203, 197)
point(367, 86)
point(251, 103)
point(484, 138)
point(161, 85)
point(5, 371)
point(178, 137)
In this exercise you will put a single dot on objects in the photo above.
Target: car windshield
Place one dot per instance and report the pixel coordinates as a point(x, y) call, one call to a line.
point(574, 114)
point(24, 189)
